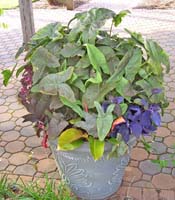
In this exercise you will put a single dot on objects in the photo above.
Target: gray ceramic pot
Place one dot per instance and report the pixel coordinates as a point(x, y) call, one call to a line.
point(89, 179)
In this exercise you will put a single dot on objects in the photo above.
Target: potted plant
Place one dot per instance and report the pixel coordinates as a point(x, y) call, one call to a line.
point(93, 94)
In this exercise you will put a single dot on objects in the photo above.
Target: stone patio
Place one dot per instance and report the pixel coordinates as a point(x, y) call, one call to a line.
point(21, 154)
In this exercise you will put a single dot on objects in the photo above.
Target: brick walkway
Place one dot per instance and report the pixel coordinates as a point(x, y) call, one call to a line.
point(20, 152)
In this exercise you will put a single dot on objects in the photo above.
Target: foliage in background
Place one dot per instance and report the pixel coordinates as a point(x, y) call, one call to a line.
point(10, 4)
point(83, 83)
point(2, 24)
point(33, 190)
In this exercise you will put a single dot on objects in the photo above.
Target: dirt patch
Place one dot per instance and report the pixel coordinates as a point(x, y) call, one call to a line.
point(157, 4)
point(43, 4)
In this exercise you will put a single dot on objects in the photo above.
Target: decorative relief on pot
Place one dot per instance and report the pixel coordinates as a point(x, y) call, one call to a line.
point(88, 179)
point(119, 171)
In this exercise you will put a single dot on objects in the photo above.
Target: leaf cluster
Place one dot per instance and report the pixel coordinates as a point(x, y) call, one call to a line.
point(81, 65)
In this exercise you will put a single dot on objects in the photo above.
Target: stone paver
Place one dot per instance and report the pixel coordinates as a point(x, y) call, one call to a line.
point(3, 163)
point(40, 153)
point(1, 151)
point(10, 136)
point(132, 173)
point(19, 158)
point(164, 181)
point(170, 141)
point(148, 167)
point(14, 147)
point(46, 165)
point(25, 169)
point(33, 141)
point(7, 126)
point(139, 154)
point(26, 158)
point(158, 147)
point(27, 131)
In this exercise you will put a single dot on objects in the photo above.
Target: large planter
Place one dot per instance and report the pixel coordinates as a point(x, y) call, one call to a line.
point(87, 178)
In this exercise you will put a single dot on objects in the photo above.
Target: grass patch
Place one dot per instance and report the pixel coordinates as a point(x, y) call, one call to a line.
point(10, 4)
point(33, 190)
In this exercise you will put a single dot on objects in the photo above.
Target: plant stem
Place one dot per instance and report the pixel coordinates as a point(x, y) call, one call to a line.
point(110, 32)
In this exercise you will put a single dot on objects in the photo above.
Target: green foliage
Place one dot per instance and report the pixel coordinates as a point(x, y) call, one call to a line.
point(96, 148)
point(117, 19)
point(80, 66)
point(7, 74)
point(71, 139)
point(33, 191)
point(2, 24)
point(119, 147)
point(104, 120)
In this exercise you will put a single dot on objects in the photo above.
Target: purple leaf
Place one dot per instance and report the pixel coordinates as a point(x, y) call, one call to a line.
point(124, 131)
point(156, 90)
point(149, 129)
point(155, 116)
point(154, 107)
point(145, 119)
point(133, 113)
point(105, 105)
point(136, 129)
point(117, 100)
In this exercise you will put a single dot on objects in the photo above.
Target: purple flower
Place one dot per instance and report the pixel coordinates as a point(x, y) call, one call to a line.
point(105, 105)
point(133, 112)
point(123, 129)
point(115, 100)
point(136, 129)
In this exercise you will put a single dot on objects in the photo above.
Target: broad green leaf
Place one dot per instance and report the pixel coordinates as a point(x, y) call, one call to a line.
point(133, 66)
point(97, 92)
point(117, 19)
point(104, 120)
point(66, 92)
point(96, 148)
point(97, 79)
point(56, 125)
point(71, 50)
point(7, 74)
point(123, 107)
point(137, 37)
point(157, 57)
point(83, 62)
point(89, 124)
point(97, 58)
point(51, 31)
point(79, 84)
point(88, 24)
point(91, 95)
point(107, 51)
point(124, 88)
point(43, 58)
point(70, 139)
point(55, 103)
point(54, 47)
point(71, 146)
point(50, 83)
point(73, 105)
point(119, 71)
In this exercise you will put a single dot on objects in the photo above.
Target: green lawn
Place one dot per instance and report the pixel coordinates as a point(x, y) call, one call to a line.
point(8, 4)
